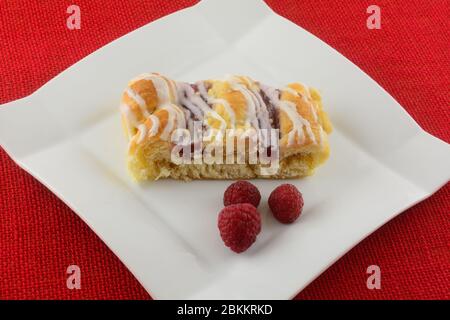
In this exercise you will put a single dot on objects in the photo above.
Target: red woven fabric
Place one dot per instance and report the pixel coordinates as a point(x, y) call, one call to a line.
point(409, 56)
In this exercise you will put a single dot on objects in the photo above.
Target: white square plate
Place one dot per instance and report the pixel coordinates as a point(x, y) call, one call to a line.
point(68, 135)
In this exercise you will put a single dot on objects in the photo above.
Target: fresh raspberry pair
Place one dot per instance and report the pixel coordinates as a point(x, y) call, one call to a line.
point(240, 222)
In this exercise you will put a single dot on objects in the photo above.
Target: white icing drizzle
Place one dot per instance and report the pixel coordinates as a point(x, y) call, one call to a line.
point(298, 122)
point(263, 113)
point(155, 126)
point(308, 93)
point(171, 94)
point(212, 101)
point(289, 108)
point(162, 87)
point(309, 101)
point(167, 98)
point(257, 113)
point(130, 116)
point(185, 96)
point(312, 105)
point(251, 105)
point(173, 87)
point(291, 91)
point(322, 135)
point(142, 128)
point(263, 117)
point(189, 98)
point(139, 100)
point(176, 116)
point(305, 123)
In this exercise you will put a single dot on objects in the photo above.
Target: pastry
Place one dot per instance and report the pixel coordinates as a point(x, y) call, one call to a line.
point(229, 128)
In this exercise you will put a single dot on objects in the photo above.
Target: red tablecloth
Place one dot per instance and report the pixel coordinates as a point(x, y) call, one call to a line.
point(409, 56)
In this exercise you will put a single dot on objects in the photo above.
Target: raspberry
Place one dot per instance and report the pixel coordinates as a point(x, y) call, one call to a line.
point(239, 224)
point(242, 192)
point(286, 203)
